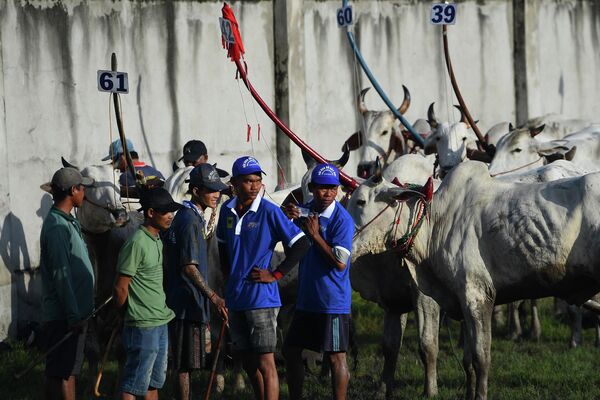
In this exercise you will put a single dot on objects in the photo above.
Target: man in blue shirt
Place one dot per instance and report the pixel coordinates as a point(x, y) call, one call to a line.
point(249, 227)
point(322, 317)
point(187, 289)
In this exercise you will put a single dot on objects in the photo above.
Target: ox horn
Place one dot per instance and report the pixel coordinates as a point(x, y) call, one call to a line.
point(536, 131)
point(308, 160)
point(342, 160)
point(406, 102)
point(511, 127)
point(463, 117)
point(67, 164)
point(431, 117)
point(361, 101)
point(378, 176)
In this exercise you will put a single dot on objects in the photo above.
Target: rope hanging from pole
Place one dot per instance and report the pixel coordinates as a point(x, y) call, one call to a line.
point(235, 51)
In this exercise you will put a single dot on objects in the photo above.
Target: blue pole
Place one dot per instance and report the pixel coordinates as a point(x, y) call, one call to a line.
point(377, 87)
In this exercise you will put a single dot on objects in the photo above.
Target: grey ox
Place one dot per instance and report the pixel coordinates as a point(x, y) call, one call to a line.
point(487, 242)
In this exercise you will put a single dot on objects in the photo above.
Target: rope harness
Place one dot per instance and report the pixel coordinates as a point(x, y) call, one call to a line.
point(516, 169)
point(403, 244)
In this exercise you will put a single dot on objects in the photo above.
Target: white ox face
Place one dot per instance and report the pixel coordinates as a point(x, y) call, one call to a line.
point(102, 209)
point(521, 151)
point(451, 141)
point(380, 135)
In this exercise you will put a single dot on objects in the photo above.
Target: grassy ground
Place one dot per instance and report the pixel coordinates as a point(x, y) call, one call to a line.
point(520, 370)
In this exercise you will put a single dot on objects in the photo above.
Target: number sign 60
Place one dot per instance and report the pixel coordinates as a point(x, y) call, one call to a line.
point(344, 16)
point(443, 14)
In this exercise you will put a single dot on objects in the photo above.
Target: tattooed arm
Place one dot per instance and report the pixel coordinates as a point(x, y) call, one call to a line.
point(196, 277)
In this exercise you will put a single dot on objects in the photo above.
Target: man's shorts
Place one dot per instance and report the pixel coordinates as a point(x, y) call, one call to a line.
point(146, 365)
point(66, 359)
point(254, 330)
point(318, 332)
point(189, 342)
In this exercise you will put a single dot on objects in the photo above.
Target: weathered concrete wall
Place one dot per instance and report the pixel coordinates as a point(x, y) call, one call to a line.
point(563, 65)
point(182, 86)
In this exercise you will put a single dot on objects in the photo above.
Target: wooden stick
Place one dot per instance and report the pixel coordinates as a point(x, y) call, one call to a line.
point(104, 358)
point(213, 371)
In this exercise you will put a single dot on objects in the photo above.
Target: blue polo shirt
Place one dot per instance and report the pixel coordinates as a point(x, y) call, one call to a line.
point(250, 241)
point(321, 287)
point(184, 244)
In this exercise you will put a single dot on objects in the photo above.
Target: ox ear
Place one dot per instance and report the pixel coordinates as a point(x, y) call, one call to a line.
point(308, 160)
point(397, 194)
point(67, 164)
point(555, 149)
point(561, 154)
point(175, 167)
point(570, 154)
point(511, 127)
point(397, 143)
point(354, 142)
point(536, 131)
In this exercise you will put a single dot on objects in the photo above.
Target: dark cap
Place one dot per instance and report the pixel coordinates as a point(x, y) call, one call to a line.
point(159, 200)
point(206, 175)
point(67, 177)
point(193, 150)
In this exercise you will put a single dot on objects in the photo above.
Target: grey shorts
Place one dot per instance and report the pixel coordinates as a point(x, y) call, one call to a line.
point(254, 330)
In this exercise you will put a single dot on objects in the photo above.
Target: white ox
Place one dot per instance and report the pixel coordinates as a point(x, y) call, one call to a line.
point(489, 242)
point(520, 150)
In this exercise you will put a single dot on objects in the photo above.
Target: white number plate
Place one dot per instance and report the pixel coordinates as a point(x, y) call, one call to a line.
point(344, 16)
point(226, 30)
point(443, 14)
point(112, 81)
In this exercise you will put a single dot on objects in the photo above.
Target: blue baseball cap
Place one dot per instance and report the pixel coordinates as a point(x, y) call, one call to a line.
point(245, 166)
point(116, 148)
point(325, 174)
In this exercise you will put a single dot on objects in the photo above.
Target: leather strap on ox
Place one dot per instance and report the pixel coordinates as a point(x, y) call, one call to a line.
point(235, 51)
point(416, 137)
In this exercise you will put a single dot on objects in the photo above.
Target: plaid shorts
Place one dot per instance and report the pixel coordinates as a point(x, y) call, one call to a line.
point(254, 330)
point(189, 342)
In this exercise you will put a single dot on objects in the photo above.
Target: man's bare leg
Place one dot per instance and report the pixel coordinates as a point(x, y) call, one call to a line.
point(294, 371)
point(182, 385)
point(266, 366)
point(339, 375)
point(250, 365)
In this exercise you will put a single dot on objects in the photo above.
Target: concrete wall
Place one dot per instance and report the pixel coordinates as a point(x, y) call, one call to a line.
point(182, 86)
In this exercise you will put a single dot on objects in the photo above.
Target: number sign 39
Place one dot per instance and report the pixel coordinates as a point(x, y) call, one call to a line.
point(226, 31)
point(112, 81)
point(344, 16)
point(443, 14)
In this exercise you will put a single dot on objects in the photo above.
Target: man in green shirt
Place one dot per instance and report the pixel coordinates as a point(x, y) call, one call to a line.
point(67, 283)
point(139, 285)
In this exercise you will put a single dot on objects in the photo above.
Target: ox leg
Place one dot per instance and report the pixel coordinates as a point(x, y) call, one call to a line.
point(514, 322)
point(575, 318)
point(428, 321)
point(468, 365)
point(597, 328)
point(536, 327)
point(499, 317)
point(478, 324)
point(393, 332)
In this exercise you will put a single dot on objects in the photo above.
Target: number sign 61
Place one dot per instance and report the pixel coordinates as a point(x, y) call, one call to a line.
point(443, 14)
point(344, 16)
point(112, 81)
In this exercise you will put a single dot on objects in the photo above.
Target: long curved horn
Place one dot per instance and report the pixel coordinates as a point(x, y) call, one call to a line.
point(361, 101)
point(343, 160)
point(308, 160)
point(431, 117)
point(406, 102)
point(65, 163)
point(463, 117)
point(377, 176)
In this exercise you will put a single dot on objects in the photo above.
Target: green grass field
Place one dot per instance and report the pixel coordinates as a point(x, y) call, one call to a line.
point(520, 370)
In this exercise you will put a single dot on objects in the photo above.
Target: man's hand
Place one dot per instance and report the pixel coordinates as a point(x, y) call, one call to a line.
point(77, 327)
point(312, 225)
point(261, 275)
point(291, 211)
point(219, 304)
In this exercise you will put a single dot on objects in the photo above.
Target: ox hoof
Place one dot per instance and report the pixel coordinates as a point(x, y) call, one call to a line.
point(220, 384)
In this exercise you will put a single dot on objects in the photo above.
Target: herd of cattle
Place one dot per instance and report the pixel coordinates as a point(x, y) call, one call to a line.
point(465, 237)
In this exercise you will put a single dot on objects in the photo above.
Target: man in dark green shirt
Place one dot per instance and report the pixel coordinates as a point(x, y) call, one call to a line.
point(67, 283)
point(139, 286)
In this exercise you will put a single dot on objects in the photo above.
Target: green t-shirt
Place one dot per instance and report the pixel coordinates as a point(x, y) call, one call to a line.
point(67, 274)
point(141, 258)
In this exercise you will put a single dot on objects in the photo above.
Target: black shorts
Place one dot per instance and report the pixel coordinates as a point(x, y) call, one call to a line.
point(329, 333)
point(67, 359)
point(189, 342)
